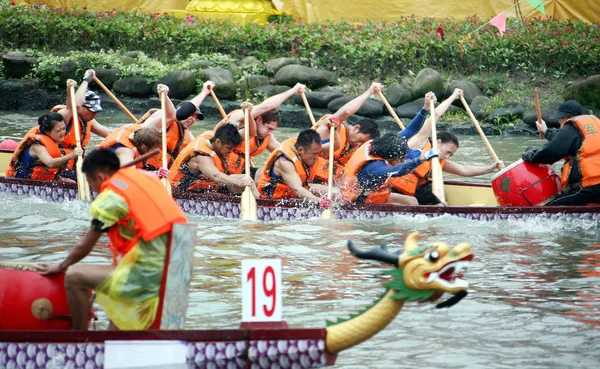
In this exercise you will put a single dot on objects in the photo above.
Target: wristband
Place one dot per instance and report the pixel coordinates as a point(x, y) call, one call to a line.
point(325, 141)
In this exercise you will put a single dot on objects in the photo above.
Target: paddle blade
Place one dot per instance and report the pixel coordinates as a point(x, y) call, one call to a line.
point(327, 214)
point(248, 205)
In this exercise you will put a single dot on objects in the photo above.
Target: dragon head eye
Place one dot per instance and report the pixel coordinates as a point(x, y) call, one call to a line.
point(432, 256)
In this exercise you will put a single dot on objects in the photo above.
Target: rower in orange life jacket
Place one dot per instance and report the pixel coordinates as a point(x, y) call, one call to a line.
point(289, 171)
point(365, 178)
point(131, 141)
point(179, 121)
point(40, 154)
point(137, 213)
point(202, 164)
point(577, 141)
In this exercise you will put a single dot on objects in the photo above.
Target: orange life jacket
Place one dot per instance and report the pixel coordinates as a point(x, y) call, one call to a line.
point(121, 137)
point(39, 170)
point(341, 156)
point(177, 138)
point(275, 188)
point(85, 132)
point(350, 189)
point(409, 183)
point(182, 178)
point(588, 156)
point(151, 208)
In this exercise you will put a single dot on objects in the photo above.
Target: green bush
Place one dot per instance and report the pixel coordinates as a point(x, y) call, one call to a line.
point(368, 50)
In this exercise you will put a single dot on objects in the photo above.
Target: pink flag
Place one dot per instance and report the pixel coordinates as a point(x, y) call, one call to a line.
point(499, 22)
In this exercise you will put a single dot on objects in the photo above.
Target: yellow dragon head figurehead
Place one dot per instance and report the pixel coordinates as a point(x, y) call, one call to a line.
point(424, 273)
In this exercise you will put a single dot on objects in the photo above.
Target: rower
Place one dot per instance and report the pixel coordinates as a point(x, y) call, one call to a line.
point(131, 141)
point(40, 154)
point(577, 141)
point(137, 214)
point(178, 122)
point(202, 166)
point(365, 177)
point(289, 170)
point(264, 120)
point(348, 138)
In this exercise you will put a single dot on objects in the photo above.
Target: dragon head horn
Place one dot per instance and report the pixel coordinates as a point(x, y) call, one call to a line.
point(376, 253)
point(410, 244)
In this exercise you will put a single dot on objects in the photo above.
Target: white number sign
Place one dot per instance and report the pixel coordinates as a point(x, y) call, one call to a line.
point(261, 290)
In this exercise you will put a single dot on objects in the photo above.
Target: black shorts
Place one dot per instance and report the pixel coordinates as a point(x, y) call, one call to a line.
point(424, 195)
point(578, 196)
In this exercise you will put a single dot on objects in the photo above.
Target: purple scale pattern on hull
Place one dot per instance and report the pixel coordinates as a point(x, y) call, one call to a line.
point(232, 210)
point(272, 354)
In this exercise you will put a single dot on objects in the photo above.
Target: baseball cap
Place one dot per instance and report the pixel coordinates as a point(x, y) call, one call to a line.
point(569, 108)
point(92, 101)
point(185, 109)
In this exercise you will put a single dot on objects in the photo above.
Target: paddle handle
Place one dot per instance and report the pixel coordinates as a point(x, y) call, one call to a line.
point(308, 110)
point(141, 158)
point(219, 106)
point(538, 109)
point(476, 123)
point(330, 169)
point(437, 178)
point(165, 162)
point(390, 109)
point(247, 142)
point(82, 186)
point(119, 104)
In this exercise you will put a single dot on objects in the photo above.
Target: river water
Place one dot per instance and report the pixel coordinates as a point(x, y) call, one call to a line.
point(534, 299)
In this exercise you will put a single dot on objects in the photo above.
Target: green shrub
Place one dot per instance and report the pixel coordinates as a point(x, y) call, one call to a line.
point(369, 50)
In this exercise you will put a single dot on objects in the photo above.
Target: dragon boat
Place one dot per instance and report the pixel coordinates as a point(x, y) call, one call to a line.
point(474, 201)
point(34, 316)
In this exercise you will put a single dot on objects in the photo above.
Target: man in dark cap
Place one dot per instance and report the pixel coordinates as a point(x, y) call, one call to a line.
point(577, 141)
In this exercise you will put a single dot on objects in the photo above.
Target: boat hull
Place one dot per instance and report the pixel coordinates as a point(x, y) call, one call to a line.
point(244, 348)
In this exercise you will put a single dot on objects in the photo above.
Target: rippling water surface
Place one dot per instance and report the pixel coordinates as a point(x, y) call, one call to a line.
point(534, 300)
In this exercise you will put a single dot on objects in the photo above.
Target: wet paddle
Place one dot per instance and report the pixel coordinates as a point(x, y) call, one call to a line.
point(483, 137)
point(328, 213)
point(308, 110)
point(390, 109)
point(219, 106)
point(437, 179)
point(165, 162)
point(83, 188)
point(141, 158)
point(248, 202)
point(119, 104)
point(538, 109)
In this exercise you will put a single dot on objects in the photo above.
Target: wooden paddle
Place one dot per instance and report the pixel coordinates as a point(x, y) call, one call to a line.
point(83, 188)
point(538, 109)
point(141, 158)
point(483, 137)
point(390, 109)
point(165, 162)
point(437, 179)
point(248, 201)
point(221, 110)
point(119, 104)
point(328, 213)
point(310, 114)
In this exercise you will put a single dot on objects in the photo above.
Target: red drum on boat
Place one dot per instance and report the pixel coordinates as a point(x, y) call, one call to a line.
point(525, 184)
point(31, 301)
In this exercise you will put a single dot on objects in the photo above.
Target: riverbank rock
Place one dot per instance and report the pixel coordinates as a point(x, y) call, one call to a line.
point(274, 65)
point(270, 90)
point(521, 129)
point(108, 76)
point(530, 117)
point(508, 113)
point(181, 84)
point(397, 94)
point(370, 109)
point(296, 116)
point(22, 94)
point(319, 99)
point(587, 92)
point(251, 82)
point(249, 62)
point(209, 107)
point(223, 78)
point(312, 77)
point(479, 106)
point(18, 64)
point(428, 80)
point(136, 86)
point(199, 64)
point(470, 91)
